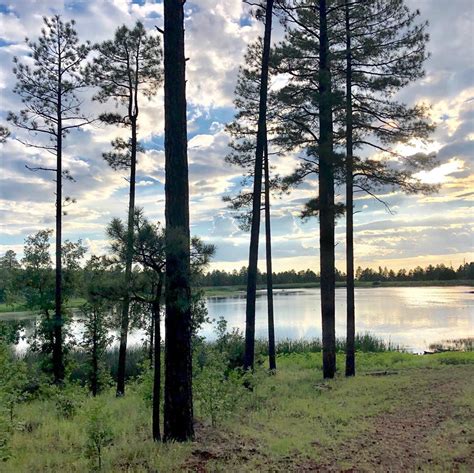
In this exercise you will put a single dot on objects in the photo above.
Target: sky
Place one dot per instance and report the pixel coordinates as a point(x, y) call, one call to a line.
point(422, 229)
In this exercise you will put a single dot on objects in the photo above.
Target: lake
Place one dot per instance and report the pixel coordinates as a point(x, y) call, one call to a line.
point(412, 317)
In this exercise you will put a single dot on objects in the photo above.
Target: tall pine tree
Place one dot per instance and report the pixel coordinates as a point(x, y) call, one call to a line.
point(49, 90)
point(244, 136)
point(376, 120)
point(257, 191)
point(385, 48)
point(126, 69)
point(178, 408)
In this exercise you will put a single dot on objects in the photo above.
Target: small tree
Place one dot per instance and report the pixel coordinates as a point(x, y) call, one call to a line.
point(14, 381)
point(95, 340)
point(99, 433)
point(125, 69)
point(39, 289)
point(52, 109)
point(149, 251)
point(9, 275)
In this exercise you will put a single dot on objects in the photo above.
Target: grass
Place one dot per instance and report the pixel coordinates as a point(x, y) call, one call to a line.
point(292, 421)
point(73, 303)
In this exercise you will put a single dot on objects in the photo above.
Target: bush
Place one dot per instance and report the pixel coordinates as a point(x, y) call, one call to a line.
point(99, 433)
point(217, 389)
point(5, 436)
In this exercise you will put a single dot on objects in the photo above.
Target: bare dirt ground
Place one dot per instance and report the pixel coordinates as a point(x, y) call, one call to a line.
point(431, 430)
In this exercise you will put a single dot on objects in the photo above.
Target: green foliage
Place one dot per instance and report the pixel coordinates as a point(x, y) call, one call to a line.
point(10, 331)
point(217, 390)
point(5, 439)
point(65, 405)
point(13, 381)
point(124, 69)
point(9, 278)
point(39, 288)
point(95, 340)
point(294, 412)
point(4, 134)
point(57, 60)
point(99, 433)
point(388, 50)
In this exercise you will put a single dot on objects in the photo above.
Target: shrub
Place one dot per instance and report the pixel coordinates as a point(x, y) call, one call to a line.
point(217, 389)
point(99, 433)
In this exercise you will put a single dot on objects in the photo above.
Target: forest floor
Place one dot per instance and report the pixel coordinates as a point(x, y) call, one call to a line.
point(424, 423)
point(402, 412)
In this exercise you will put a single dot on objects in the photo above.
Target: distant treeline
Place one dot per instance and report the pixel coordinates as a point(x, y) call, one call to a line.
point(440, 272)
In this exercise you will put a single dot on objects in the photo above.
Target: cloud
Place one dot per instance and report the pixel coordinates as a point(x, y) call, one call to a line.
point(437, 227)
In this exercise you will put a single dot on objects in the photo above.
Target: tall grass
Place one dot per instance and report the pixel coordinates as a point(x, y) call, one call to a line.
point(460, 344)
point(234, 346)
point(78, 362)
point(364, 342)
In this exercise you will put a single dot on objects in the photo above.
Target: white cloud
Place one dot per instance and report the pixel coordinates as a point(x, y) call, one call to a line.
point(217, 34)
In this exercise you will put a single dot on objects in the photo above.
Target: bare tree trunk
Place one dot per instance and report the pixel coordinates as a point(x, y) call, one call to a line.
point(268, 247)
point(178, 409)
point(157, 367)
point(257, 196)
point(326, 198)
point(350, 338)
point(152, 336)
point(95, 357)
point(58, 355)
point(128, 267)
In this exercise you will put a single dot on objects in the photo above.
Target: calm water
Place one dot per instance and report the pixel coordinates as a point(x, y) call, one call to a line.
point(412, 317)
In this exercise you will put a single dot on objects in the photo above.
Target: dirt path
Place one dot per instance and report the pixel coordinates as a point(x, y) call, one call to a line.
point(429, 429)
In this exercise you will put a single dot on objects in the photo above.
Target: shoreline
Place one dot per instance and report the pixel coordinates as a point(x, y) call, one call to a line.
point(218, 291)
point(239, 290)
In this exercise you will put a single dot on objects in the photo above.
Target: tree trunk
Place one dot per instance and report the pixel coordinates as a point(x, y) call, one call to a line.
point(350, 338)
point(152, 336)
point(157, 366)
point(257, 196)
point(178, 409)
point(268, 247)
point(95, 356)
point(58, 356)
point(326, 199)
point(128, 266)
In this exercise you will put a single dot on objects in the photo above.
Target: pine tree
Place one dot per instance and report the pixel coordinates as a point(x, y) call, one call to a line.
point(377, 120)
point(257, 191)
point(385, 48)
point(244, 130)
point(49, 91)
point(96, 317)
point(126, 69)
point(178, 407)
point(149, 251)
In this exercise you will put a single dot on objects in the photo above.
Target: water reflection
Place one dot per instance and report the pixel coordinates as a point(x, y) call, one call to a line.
point(410, 316)
point(413, 317)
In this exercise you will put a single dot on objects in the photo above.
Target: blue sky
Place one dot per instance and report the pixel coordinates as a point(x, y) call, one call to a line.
point(423, 230)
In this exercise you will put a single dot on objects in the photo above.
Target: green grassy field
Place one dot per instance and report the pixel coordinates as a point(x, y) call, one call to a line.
point(400, 413)
point(74, 303)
